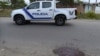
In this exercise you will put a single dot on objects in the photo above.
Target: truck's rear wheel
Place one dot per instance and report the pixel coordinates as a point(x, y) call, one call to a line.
point(19, 20)
point(60, 20)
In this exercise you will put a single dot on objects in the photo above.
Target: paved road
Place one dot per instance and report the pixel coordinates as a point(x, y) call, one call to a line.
point(39, 38)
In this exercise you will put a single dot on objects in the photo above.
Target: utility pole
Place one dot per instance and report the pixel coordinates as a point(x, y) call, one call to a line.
point(96, 2)
point(88, 5)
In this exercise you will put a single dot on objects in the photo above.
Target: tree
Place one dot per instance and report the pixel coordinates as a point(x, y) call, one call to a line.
point(13, 3)
point(31, 0)
point(3, 5)
point(67, 2)
point(21, 4)
point(17, 4)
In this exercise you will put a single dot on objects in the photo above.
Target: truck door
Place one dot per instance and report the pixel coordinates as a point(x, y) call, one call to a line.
point(47, 9)
point(38, 10)
point(33, 10)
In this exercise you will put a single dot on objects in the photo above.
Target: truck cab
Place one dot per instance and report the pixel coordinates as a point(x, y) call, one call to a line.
point(42, 11)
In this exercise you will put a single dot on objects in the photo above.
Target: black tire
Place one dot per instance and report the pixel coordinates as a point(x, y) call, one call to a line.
point(19, 20)
point(60, 20)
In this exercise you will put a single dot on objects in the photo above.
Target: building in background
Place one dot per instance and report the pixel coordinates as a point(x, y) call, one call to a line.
point(97, 9)
point(8, 1)
point(85, 6)
point(5, 0)
point(89, 5)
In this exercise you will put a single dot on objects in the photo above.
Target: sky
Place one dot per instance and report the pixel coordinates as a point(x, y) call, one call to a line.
point(27, 2)
point(91, 1)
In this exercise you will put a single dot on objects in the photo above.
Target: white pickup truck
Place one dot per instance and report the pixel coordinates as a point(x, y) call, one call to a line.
point(43, 10)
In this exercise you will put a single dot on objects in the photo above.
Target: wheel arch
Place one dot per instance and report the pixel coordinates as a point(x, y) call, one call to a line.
point(17, 15)
point(60, 15)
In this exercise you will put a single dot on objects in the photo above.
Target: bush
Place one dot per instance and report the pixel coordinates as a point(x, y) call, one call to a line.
point(91, 15)
point(3, 5)
point(16, 4)
point(5, 13)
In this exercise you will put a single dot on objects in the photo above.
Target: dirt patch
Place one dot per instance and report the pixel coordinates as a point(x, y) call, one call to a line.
point(68, 51)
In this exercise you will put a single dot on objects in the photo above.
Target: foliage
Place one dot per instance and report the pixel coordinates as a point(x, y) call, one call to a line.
point(3, 5)
point(17, 4)
point(21, 4)
point(89, 15)
point(68, 2)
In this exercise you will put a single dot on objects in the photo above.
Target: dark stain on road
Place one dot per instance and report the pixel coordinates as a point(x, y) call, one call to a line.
point(68, 51)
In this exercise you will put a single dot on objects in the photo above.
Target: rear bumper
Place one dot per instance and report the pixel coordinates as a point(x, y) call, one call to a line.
point(71, 18)
point(75, 17)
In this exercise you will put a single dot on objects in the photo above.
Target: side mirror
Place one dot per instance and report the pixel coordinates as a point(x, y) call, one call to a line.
point(27, 7)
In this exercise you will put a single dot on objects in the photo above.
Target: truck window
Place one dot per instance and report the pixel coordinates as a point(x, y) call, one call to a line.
point(46, 4)
point(34, 6)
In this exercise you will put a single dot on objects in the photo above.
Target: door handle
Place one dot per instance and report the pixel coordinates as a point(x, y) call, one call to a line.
point(50, 9)
point(38, 10)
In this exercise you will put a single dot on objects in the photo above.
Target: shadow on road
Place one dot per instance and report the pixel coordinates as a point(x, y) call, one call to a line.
point(44, 24)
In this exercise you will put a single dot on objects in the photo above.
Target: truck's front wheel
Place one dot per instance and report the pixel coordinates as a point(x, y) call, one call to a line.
point(60, 20)
point(19, 20)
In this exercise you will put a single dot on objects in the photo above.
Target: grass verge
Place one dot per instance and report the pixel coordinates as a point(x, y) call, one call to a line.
point(5, 13)
point(89, 16)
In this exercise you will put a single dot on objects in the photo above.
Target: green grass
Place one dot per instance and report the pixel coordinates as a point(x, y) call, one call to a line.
point(85, 16)
point(5, 13)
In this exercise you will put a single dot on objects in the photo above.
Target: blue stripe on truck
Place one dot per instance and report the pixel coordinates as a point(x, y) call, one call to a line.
point(32, 16)
point(28, 13)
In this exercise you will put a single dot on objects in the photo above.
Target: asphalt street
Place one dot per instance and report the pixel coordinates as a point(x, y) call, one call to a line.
point(40, 38)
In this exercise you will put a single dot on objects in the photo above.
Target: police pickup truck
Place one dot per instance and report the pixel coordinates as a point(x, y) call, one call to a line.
point(42, 11)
